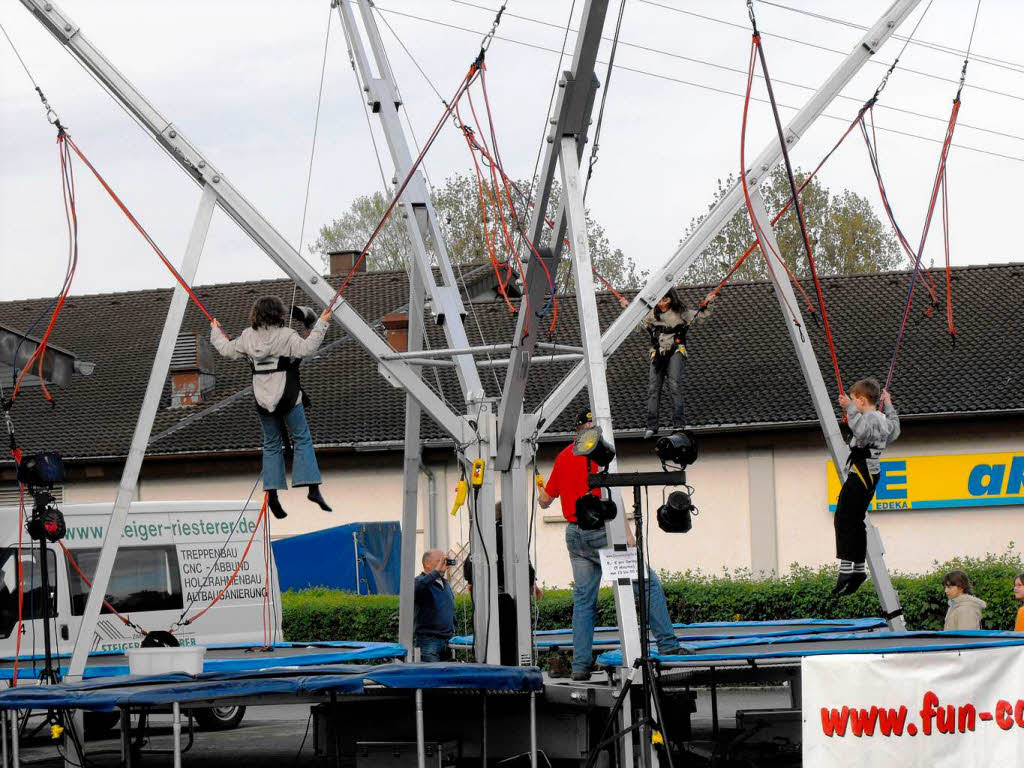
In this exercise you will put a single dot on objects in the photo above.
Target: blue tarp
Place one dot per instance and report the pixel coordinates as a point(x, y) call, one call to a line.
point(332, 557)
point(779, 647)
point(160, 690)
point(550, 638)
point(342, 652)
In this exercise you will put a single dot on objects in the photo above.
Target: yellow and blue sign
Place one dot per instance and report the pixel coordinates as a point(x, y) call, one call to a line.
point(943, 482)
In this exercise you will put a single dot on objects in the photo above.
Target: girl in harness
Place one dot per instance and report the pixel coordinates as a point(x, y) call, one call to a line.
point(667, 324)
point(274, 351)
point(872, 432)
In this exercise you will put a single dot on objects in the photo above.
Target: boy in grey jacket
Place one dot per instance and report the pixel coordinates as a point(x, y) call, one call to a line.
point(872, 432)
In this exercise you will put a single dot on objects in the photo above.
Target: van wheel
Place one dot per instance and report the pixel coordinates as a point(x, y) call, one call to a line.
point(219, 718)
point(99, 724)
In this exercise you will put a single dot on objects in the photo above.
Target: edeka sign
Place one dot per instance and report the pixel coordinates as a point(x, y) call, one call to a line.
point(943, 482)
point(951, 708)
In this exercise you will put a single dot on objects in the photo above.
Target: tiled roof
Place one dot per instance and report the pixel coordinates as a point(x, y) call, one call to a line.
point(742, 371)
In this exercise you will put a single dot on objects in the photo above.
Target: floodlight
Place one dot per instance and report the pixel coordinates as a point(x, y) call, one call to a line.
point(591, 443)
point(592, 511)
point(46, 523)
point(678, 448)
point(41, 470)
point(674, 514)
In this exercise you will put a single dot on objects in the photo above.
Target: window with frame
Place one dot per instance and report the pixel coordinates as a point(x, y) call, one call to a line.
point(144, 579)
point(32, 586)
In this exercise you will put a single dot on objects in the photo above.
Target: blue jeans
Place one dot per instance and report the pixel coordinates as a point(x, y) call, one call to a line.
point(304, 468)
point(673, 369)
point(583, 549)
point(431, 648)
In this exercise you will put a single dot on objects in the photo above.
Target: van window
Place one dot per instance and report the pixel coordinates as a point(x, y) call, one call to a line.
point(32, 603)
point(144, 579)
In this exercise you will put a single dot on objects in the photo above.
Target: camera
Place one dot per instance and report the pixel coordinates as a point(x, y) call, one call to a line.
point(449, 561)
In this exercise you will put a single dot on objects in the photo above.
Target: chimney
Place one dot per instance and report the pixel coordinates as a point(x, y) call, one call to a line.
point(191, 370)
point(341, 262)
point(396, 330)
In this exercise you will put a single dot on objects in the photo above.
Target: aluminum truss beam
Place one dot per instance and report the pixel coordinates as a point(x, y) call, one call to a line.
point(723, 211)
point(570, 118)
point(837, 447)
point(140, 439)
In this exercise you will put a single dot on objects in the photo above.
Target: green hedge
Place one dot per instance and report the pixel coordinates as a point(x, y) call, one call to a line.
point(324, 614)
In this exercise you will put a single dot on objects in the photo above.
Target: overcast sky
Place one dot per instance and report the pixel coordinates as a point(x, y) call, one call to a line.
point(240, 80)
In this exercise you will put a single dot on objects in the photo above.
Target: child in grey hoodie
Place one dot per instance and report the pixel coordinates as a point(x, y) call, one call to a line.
point(872, 432)
point(964, 607)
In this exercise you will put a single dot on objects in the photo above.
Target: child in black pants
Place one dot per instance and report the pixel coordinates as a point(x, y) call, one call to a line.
point(872, 432)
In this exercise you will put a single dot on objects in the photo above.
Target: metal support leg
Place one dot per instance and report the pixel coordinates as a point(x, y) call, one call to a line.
point(533, 730)
point(837, 448)
point(143, 428)
point(15, 746)
point(421, 747)
point(176, 729)
point(483, 542)
point(590, 328)
point(410, 477)
point(126, 738)
point(483, 748)
point(3, 736)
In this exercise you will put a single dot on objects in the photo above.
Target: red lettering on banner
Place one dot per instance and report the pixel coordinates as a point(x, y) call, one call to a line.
point(946, 719)
point(890, 722)
point(1004, 712)
point(833, 722)
point(965, 718)
point(986, 716)
point(862, 721)
point(928, 704)
point(1018, 713)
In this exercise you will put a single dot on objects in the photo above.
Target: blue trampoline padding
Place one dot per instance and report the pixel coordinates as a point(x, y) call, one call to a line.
point(160, 690)
point(354, 652)
point(550, 638)
point(733, 649)
point(457, 675)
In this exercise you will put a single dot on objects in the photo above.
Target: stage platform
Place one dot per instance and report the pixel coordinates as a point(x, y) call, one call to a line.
point(548, 639)
point(227, 658)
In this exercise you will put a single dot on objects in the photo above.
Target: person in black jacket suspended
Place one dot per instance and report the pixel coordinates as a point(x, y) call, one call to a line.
point(667, 324)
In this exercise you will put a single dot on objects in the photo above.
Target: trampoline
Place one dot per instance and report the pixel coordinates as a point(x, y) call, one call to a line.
point(546, 639)
point(289, 684)
point(228, 657)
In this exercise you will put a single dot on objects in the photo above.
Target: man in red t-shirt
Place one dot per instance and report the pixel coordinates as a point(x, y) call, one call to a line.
point(568, 482)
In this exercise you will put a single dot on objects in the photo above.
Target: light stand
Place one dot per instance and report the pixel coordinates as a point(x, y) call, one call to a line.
point(42, 499)
point(644, 664)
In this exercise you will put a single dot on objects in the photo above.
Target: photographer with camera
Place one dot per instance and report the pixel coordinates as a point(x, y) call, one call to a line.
point(435, 608)
point(568, 482)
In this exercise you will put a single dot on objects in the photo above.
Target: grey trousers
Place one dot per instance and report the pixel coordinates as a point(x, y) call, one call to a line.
point(674, 372)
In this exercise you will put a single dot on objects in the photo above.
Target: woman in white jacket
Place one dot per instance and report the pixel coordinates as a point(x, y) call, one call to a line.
point(274, 351)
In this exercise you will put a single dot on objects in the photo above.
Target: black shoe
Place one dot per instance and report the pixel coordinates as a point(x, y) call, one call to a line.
point(275, 505)
point(314, 495)
point(671, 651)
point(580, 677)
point(848, 583)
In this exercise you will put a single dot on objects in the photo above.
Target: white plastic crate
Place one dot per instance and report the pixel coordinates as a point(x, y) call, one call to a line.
point(159, 661)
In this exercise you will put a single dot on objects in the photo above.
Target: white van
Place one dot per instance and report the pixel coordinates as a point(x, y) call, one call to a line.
point(173, 560)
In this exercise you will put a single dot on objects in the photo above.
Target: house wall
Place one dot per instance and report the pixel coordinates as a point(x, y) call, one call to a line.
point(762, 500)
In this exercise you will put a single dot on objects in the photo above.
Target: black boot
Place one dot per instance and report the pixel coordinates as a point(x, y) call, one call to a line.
point(315, 496)
point(275, 505)
point(848, 583)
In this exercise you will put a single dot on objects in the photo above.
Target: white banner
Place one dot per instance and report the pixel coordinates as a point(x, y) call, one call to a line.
point(949, 708)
